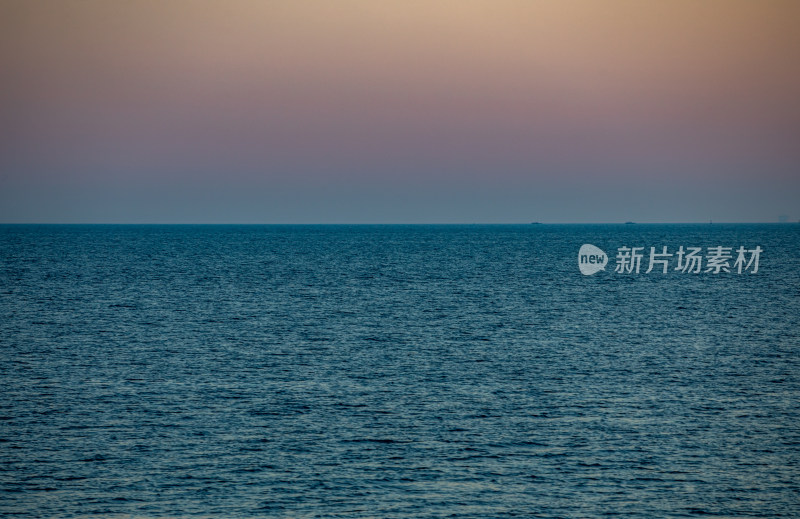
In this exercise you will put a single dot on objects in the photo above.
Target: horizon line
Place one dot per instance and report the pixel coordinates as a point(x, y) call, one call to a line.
point(396, 223)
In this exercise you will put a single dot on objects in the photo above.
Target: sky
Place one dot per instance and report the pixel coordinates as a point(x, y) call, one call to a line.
point(411, 111)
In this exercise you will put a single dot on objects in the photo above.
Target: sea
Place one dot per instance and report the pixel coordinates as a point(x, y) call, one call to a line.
point(393, 371)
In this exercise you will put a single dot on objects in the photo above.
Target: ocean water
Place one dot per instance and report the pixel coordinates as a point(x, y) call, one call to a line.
point(395, 371)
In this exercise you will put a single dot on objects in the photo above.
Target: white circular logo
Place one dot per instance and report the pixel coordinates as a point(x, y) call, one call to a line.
point(591, 259)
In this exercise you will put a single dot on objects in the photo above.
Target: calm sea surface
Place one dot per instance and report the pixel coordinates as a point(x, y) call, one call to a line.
point(395, 371)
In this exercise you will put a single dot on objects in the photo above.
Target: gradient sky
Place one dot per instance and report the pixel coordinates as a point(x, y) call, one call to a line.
point(399, 111)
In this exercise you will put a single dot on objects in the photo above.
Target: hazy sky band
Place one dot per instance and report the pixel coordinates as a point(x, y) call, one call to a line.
point(363, 111)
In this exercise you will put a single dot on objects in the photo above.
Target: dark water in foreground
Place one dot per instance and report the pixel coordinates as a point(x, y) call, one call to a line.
point(392, 371)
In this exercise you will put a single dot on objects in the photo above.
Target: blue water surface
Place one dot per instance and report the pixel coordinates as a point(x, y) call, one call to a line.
point(395, 371)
